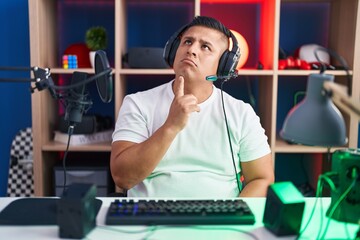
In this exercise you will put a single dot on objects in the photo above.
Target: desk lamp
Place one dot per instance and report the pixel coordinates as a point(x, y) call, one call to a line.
point(317, 122)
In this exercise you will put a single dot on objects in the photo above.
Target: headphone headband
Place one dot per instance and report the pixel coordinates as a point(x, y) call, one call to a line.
point(228, 60)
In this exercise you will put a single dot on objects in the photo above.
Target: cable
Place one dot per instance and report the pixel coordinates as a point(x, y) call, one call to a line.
point(151, 230)
point(251, 95)
point(319, 194)
point(70, 132)
point(312, 212)
point(336, 205)
point(340, 59)
point(108, 228)
point(297, 95)
point(88, 80)
point(229, 138)
point(328, 180)
point(322, 177)
point(227, 229)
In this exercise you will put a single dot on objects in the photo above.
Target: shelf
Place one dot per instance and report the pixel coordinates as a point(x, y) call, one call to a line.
point(146, 71)
point(267, 25)
point(255, 72)
point(292, 72)
point(283, 147)
point(99, 147)
point(70, 71)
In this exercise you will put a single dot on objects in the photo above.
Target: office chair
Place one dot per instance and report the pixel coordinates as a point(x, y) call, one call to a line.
point(20, 180)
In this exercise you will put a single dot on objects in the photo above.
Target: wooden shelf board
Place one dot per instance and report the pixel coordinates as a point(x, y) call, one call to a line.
point(99, 147)
point(295, 72)
point(283, 147)
point(70, 71)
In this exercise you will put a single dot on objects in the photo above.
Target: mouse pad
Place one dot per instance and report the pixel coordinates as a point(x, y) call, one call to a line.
point(33, 211)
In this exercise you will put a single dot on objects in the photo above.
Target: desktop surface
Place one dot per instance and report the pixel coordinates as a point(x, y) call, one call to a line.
point(336, 230)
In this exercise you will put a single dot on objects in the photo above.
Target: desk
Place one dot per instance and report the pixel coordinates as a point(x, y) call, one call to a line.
point(336, 230)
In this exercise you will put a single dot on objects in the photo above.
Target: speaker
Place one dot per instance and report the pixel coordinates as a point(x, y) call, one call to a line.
point(145, 57)
point(346, 163)
point(283, 209)
point(228, 60)
point(76, 211)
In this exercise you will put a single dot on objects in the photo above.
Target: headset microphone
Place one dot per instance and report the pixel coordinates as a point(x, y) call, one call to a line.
point(213, 78)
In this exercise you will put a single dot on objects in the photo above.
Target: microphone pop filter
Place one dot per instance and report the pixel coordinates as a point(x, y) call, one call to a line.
point(104, 83)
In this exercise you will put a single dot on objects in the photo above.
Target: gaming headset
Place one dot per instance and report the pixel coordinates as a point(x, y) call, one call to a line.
point(227, 63)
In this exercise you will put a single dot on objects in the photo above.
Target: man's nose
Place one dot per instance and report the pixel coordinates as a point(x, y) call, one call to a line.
point(193, 49)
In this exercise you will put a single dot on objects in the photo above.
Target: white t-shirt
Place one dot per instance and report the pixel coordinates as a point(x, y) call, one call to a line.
point(198, 163)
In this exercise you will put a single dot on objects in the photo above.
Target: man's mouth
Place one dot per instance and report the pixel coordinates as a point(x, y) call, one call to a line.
point(189, 61)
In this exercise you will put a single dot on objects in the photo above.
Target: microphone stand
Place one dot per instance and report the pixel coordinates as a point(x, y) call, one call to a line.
point(43, 81)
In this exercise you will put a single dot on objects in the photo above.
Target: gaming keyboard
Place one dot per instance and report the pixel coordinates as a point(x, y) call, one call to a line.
point(179, 212)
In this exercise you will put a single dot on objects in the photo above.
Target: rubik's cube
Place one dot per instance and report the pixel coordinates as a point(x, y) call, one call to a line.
point(70, 61)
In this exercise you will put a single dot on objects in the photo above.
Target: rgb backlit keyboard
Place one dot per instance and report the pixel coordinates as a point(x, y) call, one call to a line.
point(179, 212)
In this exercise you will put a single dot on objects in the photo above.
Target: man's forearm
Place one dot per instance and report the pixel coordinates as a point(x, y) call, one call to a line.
point(255, 188)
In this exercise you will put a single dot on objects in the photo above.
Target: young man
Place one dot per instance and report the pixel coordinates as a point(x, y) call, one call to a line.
point(171, 141)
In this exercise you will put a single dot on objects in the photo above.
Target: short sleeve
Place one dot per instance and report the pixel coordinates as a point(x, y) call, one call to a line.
point(131, 124)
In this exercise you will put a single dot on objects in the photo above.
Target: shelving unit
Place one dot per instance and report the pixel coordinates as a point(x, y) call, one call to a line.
point(343, 36)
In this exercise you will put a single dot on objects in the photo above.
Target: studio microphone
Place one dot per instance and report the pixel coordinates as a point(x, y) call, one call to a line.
point(76, 101)
point(213, 78)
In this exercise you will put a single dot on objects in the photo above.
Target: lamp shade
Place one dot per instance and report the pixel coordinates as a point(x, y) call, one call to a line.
point(315, 121)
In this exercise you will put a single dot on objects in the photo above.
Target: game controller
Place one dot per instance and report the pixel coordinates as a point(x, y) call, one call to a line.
point(293, 63)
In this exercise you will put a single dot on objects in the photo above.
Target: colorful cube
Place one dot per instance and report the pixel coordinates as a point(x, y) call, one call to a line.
point(70, 61)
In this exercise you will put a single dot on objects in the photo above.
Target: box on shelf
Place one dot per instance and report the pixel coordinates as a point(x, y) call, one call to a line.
point(84, 172)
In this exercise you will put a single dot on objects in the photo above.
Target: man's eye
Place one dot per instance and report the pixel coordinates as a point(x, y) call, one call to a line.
point(206, 47)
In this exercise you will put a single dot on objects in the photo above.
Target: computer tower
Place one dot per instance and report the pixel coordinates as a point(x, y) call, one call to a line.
point(346, 165)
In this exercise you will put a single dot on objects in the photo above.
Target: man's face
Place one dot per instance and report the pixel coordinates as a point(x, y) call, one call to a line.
point(199, 52)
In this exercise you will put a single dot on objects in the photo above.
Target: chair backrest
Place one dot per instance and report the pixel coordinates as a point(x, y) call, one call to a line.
point(20, 180)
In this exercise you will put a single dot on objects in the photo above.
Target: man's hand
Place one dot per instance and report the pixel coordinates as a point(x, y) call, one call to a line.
point(181, 107)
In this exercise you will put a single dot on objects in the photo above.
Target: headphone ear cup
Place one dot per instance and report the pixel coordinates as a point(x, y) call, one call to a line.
point(171, 46)
point(170, 50)
point(221, 71)
point(227, 63)
point(229, 59)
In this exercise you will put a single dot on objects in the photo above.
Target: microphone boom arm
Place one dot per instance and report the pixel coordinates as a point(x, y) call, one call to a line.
point(339, 96)
point(213, 78)
point(43, 79)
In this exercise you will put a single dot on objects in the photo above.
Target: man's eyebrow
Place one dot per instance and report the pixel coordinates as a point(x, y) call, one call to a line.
point(188, 37)
point(201, 40)
point(206, 42)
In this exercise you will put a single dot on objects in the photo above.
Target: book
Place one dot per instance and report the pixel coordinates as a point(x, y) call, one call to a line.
point(83, 139)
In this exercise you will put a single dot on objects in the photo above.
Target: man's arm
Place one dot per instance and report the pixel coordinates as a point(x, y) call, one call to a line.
point(132, 162)
point(258, 174)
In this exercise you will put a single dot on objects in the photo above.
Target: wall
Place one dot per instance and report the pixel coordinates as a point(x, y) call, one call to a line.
point(15, 100)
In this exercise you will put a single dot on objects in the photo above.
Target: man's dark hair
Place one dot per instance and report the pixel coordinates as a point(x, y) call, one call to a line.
point(210, 23)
